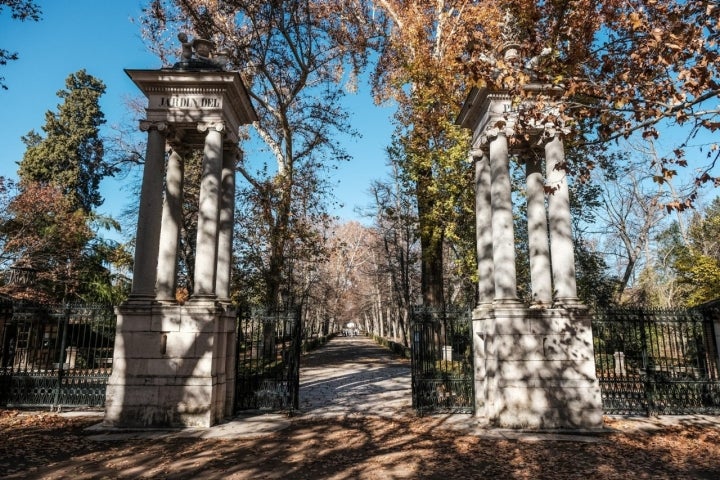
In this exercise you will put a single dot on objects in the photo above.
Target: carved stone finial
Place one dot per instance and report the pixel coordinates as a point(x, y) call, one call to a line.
point(196, 54)
point(510, 34)
point(203, 48)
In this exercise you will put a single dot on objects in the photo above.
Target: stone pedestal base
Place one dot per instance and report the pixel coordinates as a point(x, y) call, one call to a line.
point(535, 368)
point(170, 366)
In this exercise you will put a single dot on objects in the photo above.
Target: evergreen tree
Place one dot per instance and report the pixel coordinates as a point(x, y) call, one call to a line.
point(70, 156)
point(697, 265)
point(50, 226)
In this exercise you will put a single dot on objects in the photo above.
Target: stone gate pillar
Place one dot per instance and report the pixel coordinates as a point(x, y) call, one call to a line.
point(561, 241)
point(227, 215)
point(483, 234)
point(503, 230)
point(208, 211)
point(170, 231)
point(534, 364)
point(540, 273)
point(147, 238)
point(172, 364)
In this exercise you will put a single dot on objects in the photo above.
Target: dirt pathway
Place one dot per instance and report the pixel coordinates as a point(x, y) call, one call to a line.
point(352, 376)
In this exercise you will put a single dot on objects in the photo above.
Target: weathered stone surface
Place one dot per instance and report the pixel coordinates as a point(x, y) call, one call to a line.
point(171, 378)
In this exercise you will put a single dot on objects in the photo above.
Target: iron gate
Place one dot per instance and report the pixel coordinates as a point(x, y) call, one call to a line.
point(55, 355)
point(655, 362)
point(441, 354)
point(268, 361)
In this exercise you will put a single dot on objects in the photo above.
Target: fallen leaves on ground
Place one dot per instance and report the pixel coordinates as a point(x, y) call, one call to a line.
point(49, 446)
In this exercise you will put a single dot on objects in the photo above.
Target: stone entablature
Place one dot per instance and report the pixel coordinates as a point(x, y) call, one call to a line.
point(184, 98)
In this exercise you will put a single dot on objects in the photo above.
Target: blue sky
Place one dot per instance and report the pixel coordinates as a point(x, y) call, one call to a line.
point(102, 37)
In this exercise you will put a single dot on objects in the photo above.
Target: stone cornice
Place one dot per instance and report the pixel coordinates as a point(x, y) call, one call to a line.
point(184, 98)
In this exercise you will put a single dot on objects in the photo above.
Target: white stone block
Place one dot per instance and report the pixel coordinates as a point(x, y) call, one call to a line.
point(133, 323)
point(144, 345)
point(161, 367)
point(545, 370)
point(180, 344)
point(167, 321)
point(198, 366)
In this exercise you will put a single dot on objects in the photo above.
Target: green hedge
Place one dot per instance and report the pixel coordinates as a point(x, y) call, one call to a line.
point(313, 343)
point(396, 348)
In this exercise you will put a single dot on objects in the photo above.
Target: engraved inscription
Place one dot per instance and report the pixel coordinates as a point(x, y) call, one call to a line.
point(195, 102)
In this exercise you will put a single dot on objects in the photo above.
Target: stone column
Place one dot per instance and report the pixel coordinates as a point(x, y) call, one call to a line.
point(227, 221)
point(540, 273)
point(170, 230)
point(483, 230)
point(208, 212)
point(561, 241)
point(149, 214)
point(503, 232)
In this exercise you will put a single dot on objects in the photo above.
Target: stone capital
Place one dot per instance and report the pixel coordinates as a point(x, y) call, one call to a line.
point(147, 125)
point(476, 154)
point(499, 128)
point(207, 126)
point(549, 131)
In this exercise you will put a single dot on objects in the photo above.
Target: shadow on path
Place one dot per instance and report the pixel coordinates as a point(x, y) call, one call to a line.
point(354, 376)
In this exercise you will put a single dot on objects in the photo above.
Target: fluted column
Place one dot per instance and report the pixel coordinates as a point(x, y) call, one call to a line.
point(149, 214)
point(540, 273)
point(559, 219)
point(483, 228)
point(227, 221)
point(503, 231)
point(208, 212)
point(170, 230)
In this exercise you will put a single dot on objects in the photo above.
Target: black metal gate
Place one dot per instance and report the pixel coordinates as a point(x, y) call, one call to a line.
point(55, 355)
point(268, 361)
point(654, 362)
point(442, 373)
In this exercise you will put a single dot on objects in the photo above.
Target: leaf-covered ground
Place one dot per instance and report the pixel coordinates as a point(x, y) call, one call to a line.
point(49, 446)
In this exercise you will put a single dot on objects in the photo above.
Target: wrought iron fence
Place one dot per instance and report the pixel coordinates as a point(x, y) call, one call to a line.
point(55, 355)
point(268, 361)
point(441, 354)
point(654, 362)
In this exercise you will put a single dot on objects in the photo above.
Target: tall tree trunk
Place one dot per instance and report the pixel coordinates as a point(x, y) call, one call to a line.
point(431, 243)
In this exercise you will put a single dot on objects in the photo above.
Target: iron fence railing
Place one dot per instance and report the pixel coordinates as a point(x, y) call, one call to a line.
point(651, 361)
point(268, 360)
point(441, 354)
point(55, 355)
point(647, 361)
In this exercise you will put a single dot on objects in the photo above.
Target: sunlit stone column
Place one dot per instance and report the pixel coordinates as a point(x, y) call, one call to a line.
point(208, 212)
point(561, 241)
point(503, 232)
point(483, 231)
point(149, 214)
point(170, 231)
point(540, 273)
point(227, 220)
